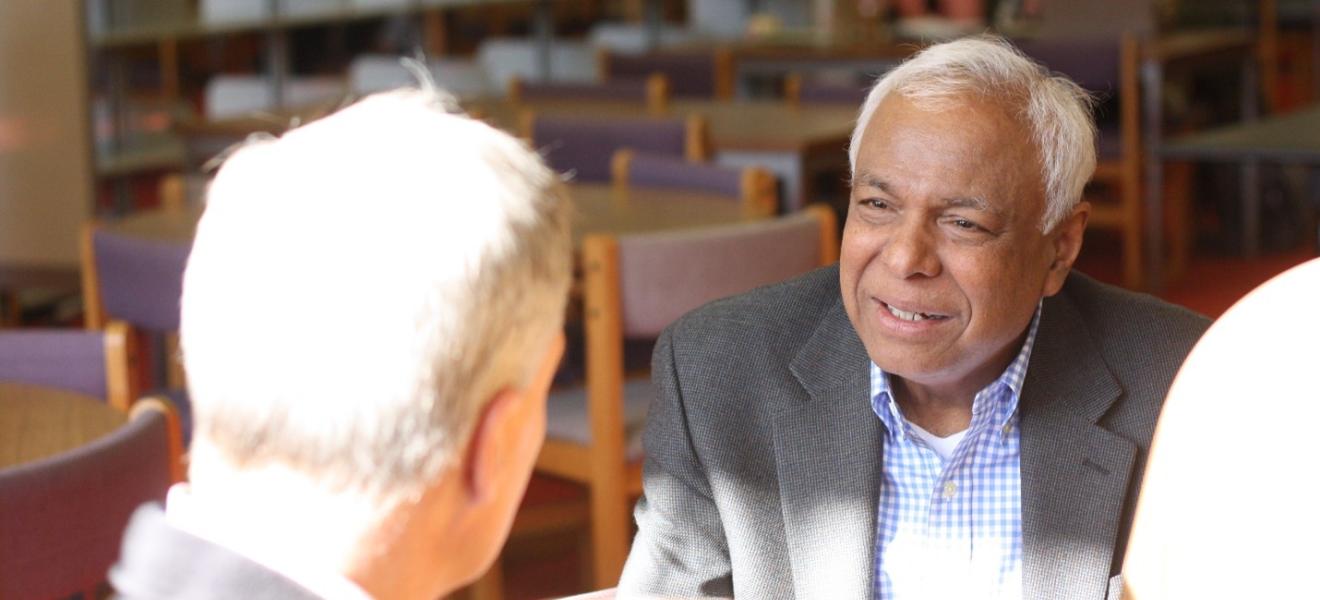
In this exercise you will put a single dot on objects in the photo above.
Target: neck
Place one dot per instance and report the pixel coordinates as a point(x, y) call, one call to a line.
point(940, 411)
point(318, 537)
point(944, 406)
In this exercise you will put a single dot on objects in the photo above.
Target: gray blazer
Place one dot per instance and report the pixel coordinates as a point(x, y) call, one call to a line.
point(763, 455)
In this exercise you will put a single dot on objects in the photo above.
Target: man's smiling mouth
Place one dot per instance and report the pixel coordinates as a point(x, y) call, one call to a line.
point(912, 315)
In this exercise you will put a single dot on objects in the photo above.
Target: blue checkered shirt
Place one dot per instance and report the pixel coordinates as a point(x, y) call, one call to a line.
point(952, 530)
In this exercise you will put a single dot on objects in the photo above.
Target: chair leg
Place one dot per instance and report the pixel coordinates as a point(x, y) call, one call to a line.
point(609, 531)
point(1177, 216)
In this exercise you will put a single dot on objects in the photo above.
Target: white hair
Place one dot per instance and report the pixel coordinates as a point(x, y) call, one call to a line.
point(1057, 110)
point(361, 285)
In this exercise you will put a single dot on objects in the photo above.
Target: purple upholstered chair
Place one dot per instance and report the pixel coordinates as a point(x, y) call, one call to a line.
point(63, 516)
point(635, 286)
point(138, 280)
point(586, 145)
point(651, 92)
point(94, 363)
point(753, 188)
point(799, 90)
point(1108, 67)
point(691, 74)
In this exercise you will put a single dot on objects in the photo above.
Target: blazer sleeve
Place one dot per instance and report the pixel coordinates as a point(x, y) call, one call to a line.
point(680, 549)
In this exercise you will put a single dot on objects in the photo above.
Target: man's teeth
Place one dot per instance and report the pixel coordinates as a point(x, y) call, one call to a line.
point(908, 316)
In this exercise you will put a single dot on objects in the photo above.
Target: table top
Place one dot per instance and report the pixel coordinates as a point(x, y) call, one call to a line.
point(37, 422)
point(1290, 137)
point(1176, 46)
point(597, 207)
point(746, 125)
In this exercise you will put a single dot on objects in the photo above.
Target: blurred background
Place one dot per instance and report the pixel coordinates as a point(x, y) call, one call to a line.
point(111, 112)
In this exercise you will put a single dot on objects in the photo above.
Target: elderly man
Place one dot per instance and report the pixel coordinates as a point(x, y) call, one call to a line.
point(949, 413)
point(371, 319)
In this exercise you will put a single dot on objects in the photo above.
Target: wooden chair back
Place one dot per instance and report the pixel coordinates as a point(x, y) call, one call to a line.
point(635, 286)
point(95, 363)
point(586, 145)
point(64, 515)
point(691, 74)
point(651, 91)
point(754, 188)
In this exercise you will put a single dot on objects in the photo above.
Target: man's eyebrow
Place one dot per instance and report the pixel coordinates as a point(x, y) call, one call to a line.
point(871, 181)
point(973, 203)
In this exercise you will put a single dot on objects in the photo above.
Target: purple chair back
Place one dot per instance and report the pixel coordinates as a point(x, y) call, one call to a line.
point(662, 171)
point(64, 515)
point(819, 92)
point(621, 90)
point(71, 360)
point(664, 275)
point(690, 74)
point(1095, 64)
point(140, 279)
point(586, 145)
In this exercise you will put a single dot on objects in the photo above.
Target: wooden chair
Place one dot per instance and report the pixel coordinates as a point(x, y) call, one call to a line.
point(96, 363)
point(692, 74)
point(651, 91)
point(586, 145)
point(64, 516)
point(635, 286)
point(752, 187)
point(1109, 67)
point(138, 281)
point(800, 91)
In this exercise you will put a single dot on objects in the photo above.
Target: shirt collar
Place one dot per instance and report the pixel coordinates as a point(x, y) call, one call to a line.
point(1003, 406)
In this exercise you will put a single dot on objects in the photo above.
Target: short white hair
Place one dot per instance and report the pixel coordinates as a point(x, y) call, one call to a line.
point(1057, 111)
point(361, 285)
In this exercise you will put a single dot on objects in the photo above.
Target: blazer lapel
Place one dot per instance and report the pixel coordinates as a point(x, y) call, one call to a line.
point(827, 454)
point(1074, 472)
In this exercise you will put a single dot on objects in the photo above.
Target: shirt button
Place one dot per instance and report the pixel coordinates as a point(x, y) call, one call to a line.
point(1008, 428)
point(950, 488)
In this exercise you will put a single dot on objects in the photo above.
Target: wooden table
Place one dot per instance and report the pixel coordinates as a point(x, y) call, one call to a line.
point(37, 422)
point(1292, 138)
point(1183, 49)
point(597, 208)
point(793, 142)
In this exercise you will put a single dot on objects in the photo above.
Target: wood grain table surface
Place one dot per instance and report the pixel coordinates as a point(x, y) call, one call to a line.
point(37, 422)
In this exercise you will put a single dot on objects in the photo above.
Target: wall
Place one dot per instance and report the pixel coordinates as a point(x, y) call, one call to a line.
point(45, 159)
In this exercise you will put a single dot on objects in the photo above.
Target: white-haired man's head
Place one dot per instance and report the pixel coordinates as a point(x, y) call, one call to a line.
point(1056, 110)
point(361, 285)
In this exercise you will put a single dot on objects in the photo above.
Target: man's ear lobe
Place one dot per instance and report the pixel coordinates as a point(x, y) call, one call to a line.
point(484, 455)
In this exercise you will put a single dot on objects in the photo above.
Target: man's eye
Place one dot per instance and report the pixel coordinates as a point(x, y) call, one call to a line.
point(965, 224)
point(876, 203)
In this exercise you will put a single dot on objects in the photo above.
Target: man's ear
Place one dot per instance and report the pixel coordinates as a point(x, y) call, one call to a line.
point(485, 448)
point(1066, 244)
point(506, 431)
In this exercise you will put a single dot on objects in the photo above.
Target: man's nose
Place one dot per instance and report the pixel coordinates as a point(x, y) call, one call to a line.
point(910, 251)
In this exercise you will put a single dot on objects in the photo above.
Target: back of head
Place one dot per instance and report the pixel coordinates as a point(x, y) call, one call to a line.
point(1228, 503)
point(360, 285)
point(989, 69)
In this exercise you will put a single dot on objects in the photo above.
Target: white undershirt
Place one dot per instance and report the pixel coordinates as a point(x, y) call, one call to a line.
point(943, 446)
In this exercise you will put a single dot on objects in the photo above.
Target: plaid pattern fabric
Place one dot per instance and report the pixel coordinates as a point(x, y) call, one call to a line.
point(952, 530)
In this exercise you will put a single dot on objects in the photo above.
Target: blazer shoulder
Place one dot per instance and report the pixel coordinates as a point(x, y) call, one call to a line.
point(1128, 325)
